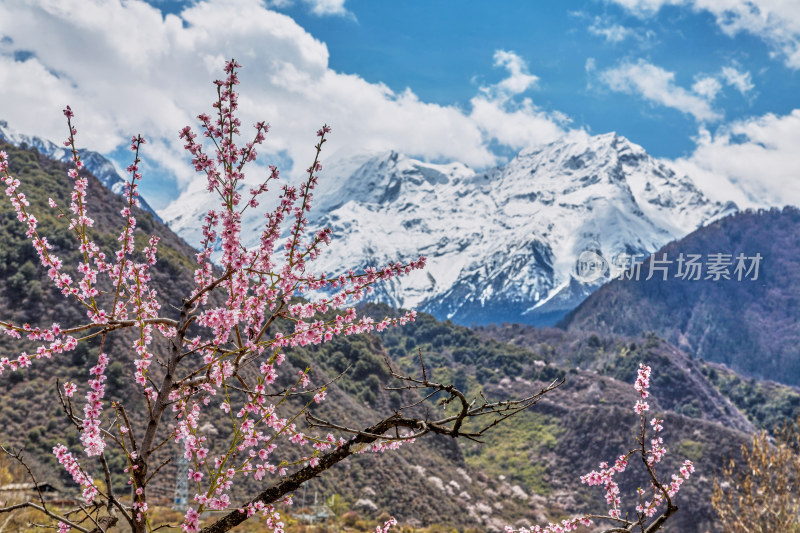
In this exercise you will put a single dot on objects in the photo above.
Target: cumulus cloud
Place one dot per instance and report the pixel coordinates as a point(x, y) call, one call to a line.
point(658, 87)
point(511, 123)
point(612, 31)
point(776, 22)
point(753, 162)
point(519, 79)
point(707, 87)
point(126, 68)
point(741, 81)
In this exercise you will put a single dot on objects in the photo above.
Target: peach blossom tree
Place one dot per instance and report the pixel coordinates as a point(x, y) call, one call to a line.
point(243, 313)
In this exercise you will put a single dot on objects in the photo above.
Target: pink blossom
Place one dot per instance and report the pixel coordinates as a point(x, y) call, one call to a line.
point(92, 436)
point(71, 465)
point(228, 331)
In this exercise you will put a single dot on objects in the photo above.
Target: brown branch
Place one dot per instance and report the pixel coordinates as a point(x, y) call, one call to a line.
point(41, 508)
point(294, 481)
point(447, 426)
point(187, 304)
point(503, 409)
point(44, 511)
point(130, 428)
point(162, 465)
point(630, 526)
point(313, 421)
point(112, 498)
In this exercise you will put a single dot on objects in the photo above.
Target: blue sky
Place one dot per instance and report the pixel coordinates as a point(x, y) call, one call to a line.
point(442, 51)
point(710, 85)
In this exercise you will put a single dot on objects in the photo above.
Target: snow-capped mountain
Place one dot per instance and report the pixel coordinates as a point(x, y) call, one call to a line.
point(102, 168)
point(502, 245)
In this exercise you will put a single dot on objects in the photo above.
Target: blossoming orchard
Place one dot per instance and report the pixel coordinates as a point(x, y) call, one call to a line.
point(243, 313)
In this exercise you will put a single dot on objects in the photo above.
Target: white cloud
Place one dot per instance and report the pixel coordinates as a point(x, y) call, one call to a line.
point(125, 68)
point(327, 7)
point(777, 22)
point(741, 81)
point(753, 162)
point(527, 125)
point(707, 87)
point(612, 33)
point(317, 7)
point(658, 86)
point(519, 79)
point(646, 7)
point(514, 124)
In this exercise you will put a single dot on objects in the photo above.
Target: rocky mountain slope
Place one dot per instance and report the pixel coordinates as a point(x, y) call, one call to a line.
point(502, 245)
point(750, 324)
point(98, 165)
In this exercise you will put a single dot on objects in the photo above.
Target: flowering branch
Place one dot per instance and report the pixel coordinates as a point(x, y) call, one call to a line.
point(660, 491)
point(42, 505)
point(266, 299)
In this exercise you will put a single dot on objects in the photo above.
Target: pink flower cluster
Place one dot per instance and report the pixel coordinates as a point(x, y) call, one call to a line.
point(259, 286)
point(641, 386)
point(191, 522)
point(92, 437)
point(386, 525)
point(58, 343)
point(605, 477)
point(120, 272)
point(81, 478)
point(130, 295)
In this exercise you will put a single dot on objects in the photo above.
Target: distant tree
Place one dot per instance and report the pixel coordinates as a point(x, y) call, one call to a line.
point(761, 494)
point(222, 348)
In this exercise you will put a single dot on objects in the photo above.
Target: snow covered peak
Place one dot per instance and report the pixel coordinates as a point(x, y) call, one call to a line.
point(43, 146)
point(502, 245)
point(577, 148)
point(382, 178)
point(614, 167)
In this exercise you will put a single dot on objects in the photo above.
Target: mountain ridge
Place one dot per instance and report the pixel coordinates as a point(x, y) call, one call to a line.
point(502, 245)
point(750, 324)
point(100, 166)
